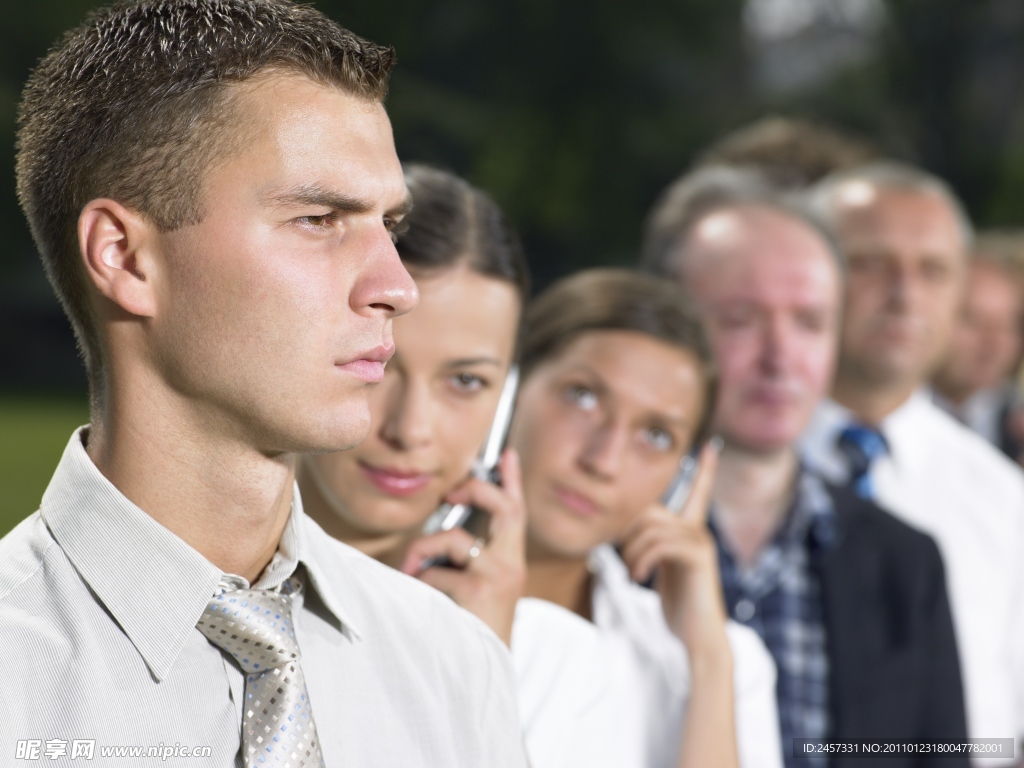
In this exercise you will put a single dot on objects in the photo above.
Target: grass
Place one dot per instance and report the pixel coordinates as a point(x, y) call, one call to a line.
point(33, 434)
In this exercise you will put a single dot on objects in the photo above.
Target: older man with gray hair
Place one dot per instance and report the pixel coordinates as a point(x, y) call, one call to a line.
point(843, 594)
point(905, 239)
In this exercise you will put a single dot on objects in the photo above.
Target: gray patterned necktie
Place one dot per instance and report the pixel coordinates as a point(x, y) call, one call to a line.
point(255, 627)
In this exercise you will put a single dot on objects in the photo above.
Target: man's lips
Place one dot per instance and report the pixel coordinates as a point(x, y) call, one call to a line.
point(576, 502)
point(394, 481)
point(369, 365)
point(772, 397)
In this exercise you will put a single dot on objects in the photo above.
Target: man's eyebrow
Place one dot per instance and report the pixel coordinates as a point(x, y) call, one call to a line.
point(316, 195)
point(403, 208)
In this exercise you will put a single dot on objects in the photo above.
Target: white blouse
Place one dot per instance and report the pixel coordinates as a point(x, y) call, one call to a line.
point(613, 693)
point(652, 672)
point(566, 696)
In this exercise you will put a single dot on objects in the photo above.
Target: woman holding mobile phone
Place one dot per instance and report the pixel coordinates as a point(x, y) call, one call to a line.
point(430, 416)
point(617, 385)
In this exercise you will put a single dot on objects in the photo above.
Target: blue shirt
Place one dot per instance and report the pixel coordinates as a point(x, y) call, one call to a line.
point(780, 598)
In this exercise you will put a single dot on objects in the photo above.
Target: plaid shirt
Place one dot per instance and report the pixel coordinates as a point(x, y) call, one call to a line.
point(780, 599)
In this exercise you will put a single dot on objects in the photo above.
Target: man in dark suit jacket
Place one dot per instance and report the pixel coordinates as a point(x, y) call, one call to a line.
point(890, 633)
point(851, 602)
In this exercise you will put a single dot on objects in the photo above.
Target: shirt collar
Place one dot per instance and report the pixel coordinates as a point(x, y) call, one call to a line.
point(819, 442)
point(814, 513)
point(154, 585)
point(811, 519)
point(906, 428)
point(298, 545)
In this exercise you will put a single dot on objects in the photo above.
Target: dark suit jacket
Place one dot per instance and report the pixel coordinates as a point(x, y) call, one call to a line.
point(894, 669)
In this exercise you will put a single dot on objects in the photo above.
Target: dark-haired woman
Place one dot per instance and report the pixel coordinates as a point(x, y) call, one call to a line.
point(430, 416)
point(617, 383)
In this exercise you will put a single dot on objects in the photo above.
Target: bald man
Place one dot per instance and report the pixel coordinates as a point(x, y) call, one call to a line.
point(906, 240)
point(841, 592)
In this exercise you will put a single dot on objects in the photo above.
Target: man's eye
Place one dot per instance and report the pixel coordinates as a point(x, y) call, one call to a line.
point(934, 271)
point(467, 382)
point(736, 320)
point(865, 262)
point(811, 321)
point(322, 221)
point(582, 398)
point(396, 228)
point(659, 439)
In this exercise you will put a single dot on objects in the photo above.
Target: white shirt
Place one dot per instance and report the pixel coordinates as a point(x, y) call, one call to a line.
point(98, 607)
point(945, 480)
point(653, 672)
point(566, 697)
point(983, 411)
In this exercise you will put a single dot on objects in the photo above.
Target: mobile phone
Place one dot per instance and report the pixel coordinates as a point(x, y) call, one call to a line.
point(678, 490)
point(679, 487)
point(473, 519)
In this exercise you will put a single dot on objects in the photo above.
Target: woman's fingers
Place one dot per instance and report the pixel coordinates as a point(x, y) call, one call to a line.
point(487, 577)
point(699, 500)
point(665, 542)
point(456, 545)
point(503, 503)
point(688, 553)
point(655, 522)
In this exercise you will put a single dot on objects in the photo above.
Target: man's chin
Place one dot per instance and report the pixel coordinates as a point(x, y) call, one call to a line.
point(889, 368)
point(336, 432)
point(766, 441)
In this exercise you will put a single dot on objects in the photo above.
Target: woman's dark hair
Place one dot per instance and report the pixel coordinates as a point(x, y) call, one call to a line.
point(453, 223)
point(616, 300)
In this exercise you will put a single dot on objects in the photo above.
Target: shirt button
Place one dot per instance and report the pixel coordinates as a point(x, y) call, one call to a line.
point(745, 610)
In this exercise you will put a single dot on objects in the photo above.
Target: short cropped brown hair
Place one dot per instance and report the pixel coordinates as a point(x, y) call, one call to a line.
point(134, 105)
point(616, 300)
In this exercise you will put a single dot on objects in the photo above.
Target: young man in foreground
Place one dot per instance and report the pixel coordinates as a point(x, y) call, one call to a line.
point(212, 185)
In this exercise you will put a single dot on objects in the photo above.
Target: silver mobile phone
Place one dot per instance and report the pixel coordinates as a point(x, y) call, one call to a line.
point(679, 487)
point(475, 520)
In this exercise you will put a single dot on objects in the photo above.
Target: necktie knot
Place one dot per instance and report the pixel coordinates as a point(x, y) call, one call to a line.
point(861, 446)
point(253, 625)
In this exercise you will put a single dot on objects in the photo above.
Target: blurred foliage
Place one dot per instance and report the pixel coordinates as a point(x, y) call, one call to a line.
point(33, 434)
point(574, 113)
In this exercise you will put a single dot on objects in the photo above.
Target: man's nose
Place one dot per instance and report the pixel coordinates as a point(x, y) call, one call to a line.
point(386, 284)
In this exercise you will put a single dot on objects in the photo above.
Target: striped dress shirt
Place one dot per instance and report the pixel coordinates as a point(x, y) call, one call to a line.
point(101, 655)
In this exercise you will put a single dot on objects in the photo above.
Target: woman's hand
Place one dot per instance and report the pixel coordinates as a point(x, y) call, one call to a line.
point(680, 551)
point(490, 576)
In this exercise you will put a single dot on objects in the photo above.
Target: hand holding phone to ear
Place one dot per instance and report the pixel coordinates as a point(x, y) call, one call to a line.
point(486, 575)
point(679, 550)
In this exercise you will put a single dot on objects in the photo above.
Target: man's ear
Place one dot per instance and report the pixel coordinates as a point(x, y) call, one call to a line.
point(116, 246)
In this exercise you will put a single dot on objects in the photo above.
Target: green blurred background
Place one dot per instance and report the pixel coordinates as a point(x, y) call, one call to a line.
point(573, 114)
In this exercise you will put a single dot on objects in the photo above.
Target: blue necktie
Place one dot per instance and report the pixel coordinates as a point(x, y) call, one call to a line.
point(861, 446)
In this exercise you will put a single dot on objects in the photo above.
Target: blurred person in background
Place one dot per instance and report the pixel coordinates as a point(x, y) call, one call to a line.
point(214, 190)
point(790, 153)
point(616, 389)
point(429, 417)
point(842, 593)
point(905, 241)
point(976, 383)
